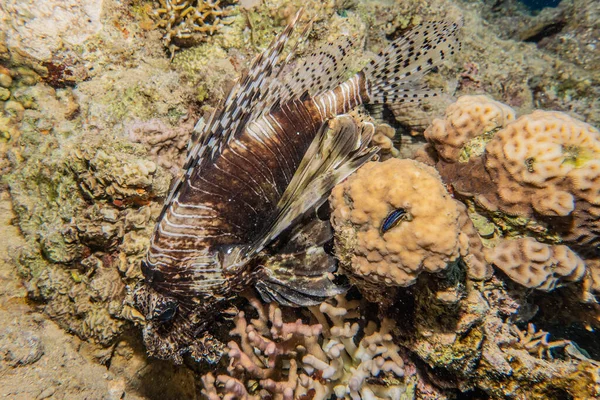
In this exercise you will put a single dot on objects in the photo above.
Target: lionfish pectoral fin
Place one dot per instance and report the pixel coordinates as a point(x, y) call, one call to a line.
point(339, 148)
point(299, 279)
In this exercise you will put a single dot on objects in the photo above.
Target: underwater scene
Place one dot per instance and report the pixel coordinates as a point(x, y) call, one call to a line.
point(303, 199)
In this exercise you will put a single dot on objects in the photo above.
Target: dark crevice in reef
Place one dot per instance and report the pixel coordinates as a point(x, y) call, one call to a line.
point(560, 315)
point(542, 32)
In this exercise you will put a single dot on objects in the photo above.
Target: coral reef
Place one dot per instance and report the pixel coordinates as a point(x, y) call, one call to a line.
point(80, 82)
point(536, 265)
point(337, 355)
point(535, 176)
point(474, 341)
point(422, 237)
point(185, 22)
point(90, 239)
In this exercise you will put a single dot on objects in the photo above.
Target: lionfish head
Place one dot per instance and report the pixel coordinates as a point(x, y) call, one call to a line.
point(163, 323)
point(176, 309)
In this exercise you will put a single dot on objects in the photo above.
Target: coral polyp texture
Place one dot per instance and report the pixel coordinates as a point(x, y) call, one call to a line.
point(536, 265)
point(333, 355)
point(556, 155)
point(537, 176)
point(385, 232)
point(186, 21)
point(468, 123)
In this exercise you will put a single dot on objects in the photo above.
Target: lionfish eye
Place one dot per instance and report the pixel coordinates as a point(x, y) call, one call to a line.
point(165, 312)
point(146, 270)
point(394, 219)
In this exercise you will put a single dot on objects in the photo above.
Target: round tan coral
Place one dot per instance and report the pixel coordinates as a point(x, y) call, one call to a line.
point(425, 239)
point(550, 152)
point(467, 119)
point(543, 168)
point(383, 137)
point(536, 265)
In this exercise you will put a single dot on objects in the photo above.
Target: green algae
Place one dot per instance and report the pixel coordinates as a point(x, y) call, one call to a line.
point(476, 146)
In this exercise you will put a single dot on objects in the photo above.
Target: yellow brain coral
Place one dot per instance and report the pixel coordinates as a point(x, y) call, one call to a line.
point(467, 119)
point(425, 236)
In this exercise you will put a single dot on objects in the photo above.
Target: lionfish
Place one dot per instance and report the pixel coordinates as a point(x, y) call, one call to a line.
point(243, 213)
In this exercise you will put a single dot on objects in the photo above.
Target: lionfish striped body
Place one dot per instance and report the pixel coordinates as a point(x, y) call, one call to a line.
point(243, 212)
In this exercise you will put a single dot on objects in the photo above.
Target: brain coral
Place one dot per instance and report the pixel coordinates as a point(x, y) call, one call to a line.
point(425, 238)
point(536, 265)
point(536, 176)
point(553, 158)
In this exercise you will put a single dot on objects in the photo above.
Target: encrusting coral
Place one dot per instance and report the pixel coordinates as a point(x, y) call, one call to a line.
point(166, 144)
point(536, 265)
point(537, 176)
point(85, 211)
point(336, 355)
point(183, 20)
point(385, 232)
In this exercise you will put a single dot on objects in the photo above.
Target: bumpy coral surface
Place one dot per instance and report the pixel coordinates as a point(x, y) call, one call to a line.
point(467, 123)
point(85, 213)
point(536, 265)
point(537, 176)
point(548, 163)
point(393, 220)
point(334, 356)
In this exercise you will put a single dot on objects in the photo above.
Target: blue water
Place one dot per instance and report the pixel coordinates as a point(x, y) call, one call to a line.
point(539, 4)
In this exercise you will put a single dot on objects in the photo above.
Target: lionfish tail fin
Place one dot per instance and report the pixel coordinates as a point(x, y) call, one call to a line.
point(396, 74)
point(300, 273)
point(339, 148)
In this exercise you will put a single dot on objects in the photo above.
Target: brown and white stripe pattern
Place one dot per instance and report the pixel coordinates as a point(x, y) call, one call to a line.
point(260, 163)
point(343, 98)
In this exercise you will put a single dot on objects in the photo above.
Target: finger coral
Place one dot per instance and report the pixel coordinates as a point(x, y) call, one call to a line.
point(536, 265)
point(393, 220)
point(536, 341)
point(334, 356)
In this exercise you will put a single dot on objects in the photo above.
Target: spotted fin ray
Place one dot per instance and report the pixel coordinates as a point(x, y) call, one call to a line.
point(395, 75)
